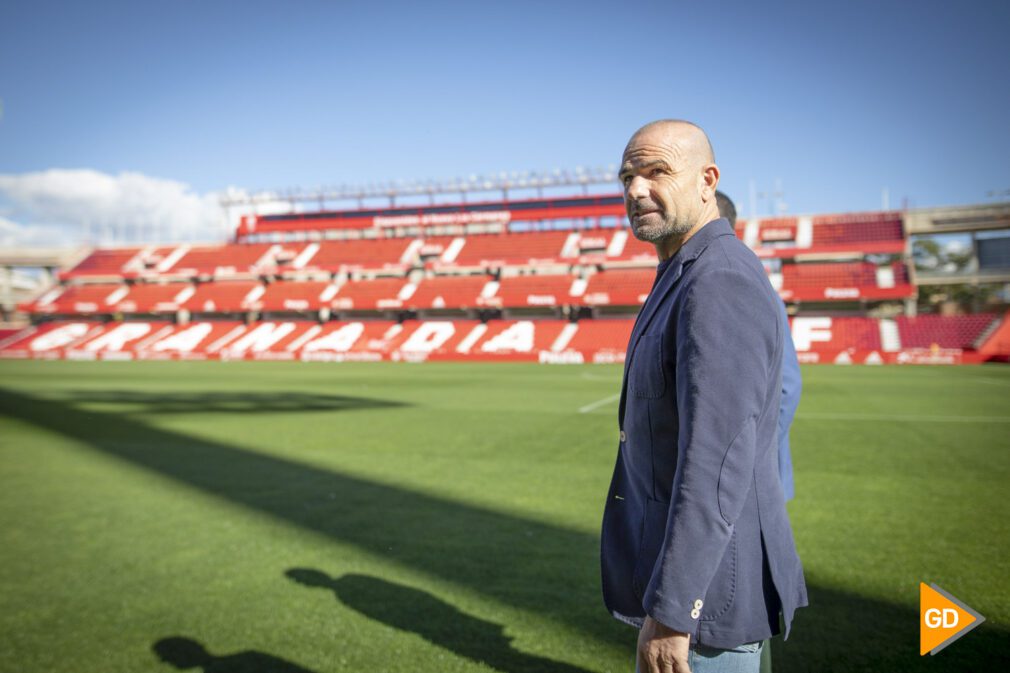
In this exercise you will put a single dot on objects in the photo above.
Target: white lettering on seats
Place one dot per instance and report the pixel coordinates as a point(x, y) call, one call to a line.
point(59, 337)
point(118, 336)
point(517, 338)
point(260, 338)
point(339, 340)
point(184, 340)
point(428, 337)
point(808, 330)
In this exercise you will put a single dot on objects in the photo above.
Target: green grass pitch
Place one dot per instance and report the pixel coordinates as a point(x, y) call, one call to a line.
point(444, 517)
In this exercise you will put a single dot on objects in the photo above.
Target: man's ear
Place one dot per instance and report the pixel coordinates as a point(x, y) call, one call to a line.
point(709, 181)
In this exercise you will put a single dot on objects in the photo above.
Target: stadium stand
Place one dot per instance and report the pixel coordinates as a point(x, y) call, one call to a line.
point(818, 339)
point(534, 290)
point(439, 292)
point(927, 331)
point(95, 298)
point(219, 260)
point(372, 255)
point(373, 295)
point(154, 298)
point(627, 248)
point(225, 296)
point(857, 229)
point(835, 334)
point(604, 338)
point(358, 295)
point(627, 287)
point(295, 296)
point(103, 263)
point(522, 249)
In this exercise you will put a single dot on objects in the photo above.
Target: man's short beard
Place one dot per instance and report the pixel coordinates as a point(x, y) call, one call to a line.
point(666, 230)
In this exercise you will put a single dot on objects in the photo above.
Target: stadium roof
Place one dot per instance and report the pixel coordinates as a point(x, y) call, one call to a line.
point(500, 182)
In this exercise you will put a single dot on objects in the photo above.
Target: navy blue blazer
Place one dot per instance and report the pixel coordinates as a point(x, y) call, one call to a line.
point(791, 387)
point(695, 530)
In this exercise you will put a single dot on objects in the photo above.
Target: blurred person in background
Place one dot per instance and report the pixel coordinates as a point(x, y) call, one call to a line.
point(792, 385)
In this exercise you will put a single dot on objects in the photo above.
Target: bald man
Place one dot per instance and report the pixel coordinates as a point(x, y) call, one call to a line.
point(697, 550)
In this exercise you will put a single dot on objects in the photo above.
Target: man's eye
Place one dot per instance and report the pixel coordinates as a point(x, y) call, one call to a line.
point(656, 171)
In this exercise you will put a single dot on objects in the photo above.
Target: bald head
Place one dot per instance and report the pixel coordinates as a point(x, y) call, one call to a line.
point(669, 176)
point(691, 137)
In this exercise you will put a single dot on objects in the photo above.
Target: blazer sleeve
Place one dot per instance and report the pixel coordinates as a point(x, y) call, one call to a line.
point(792, 384)
point(728, 339)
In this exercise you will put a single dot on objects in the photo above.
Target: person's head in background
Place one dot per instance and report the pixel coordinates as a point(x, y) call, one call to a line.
point(726, 208)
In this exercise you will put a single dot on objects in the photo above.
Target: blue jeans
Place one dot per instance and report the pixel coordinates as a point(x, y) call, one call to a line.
point(743, 659)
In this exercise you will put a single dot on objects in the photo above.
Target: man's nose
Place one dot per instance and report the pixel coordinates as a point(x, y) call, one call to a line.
point(638, 188)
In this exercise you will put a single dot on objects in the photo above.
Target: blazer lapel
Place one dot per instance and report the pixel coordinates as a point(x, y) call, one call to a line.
point(690, 251)
point(648, 312)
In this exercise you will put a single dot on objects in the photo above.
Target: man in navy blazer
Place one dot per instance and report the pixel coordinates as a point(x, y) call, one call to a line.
point(697, 549)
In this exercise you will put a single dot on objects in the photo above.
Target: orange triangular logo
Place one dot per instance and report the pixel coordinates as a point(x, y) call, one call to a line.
point(942, 619)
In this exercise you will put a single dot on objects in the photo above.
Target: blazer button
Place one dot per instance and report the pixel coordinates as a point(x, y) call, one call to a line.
point(695, 613)
point(624, 437)
point(698, 604)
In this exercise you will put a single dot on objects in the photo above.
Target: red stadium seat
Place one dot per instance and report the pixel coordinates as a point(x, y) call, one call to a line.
point(495, 250)
point(229, 296)
point(855, 228)
point(103, 263)
point(533, 290)
point(619, 287)
point(377, 294)
point(95, 298)
point(220, 260)
point(603, 335)
point(295, 296)
point(447, 292)
point(155, 297)
point(956, 331)
point(365, 254)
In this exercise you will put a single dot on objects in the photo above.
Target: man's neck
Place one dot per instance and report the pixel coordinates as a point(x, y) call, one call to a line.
point(668, 247)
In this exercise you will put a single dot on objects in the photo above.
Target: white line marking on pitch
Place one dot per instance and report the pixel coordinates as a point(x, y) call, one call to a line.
point(902, 417)
point(994, 382)
point(598, 403)
point(593, 377)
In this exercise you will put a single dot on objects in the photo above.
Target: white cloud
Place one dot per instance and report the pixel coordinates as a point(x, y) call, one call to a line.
point(8, 227)
point(74, 206)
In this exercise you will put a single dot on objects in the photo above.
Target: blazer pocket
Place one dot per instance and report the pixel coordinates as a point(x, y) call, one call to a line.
point(720, 593)
point(653, 534)
point(646, 377)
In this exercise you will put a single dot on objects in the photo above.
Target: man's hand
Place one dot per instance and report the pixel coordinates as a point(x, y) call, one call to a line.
point(661, 649)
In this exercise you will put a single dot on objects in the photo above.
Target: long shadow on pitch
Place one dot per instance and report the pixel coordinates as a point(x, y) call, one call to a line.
point(186, 402)
point(415, 611)
point(531, 565)
point(187, 654)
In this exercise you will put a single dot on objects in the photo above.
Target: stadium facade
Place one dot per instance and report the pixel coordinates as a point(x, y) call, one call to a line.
point(548, 279)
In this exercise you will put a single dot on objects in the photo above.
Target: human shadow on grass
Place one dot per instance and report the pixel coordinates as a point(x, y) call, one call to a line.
point(249, 402)
point(187, 654)
point(416, 611)
point(528, 564)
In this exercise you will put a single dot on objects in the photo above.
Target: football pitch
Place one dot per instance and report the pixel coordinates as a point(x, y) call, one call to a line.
point(283, 517)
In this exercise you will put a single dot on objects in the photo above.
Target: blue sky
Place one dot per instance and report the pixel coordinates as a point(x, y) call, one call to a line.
point(837, 101)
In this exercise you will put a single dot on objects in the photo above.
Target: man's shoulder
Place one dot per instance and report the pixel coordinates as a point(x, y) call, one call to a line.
point(728, 267)
point(726, 256)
